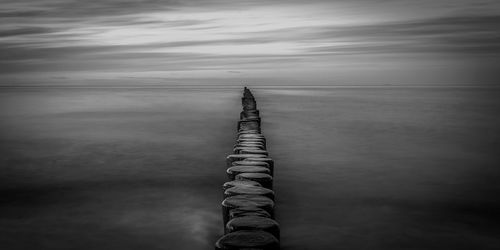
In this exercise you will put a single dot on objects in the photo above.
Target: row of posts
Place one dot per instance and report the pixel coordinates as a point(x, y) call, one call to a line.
point(248, 205)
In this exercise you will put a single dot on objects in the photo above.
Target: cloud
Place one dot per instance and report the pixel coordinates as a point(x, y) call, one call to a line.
point(455, 34)
point(225, 37)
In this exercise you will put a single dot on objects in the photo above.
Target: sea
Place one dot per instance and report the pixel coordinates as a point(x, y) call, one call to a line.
point(356, 167)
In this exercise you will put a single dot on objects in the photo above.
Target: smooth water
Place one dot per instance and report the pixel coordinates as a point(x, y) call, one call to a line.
point(356, 168)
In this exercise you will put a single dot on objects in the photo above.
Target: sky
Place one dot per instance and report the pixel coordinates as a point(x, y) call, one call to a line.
point(255, 42)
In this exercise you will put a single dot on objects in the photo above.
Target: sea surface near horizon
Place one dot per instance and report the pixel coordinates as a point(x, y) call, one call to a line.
point(356, 167)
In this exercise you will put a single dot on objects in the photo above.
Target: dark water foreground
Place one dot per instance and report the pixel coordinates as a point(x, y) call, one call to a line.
point(356, 168)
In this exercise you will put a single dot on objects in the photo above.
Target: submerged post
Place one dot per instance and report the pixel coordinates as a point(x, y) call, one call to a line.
point(248, 205)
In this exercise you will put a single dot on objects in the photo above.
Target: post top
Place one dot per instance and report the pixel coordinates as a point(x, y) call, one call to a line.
point(247, 93)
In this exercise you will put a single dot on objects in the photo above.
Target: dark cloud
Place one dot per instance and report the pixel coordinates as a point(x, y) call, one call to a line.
point(75, 9)
point(24, 31)
point(21, 14)
point(434, 26)
point(456, 34)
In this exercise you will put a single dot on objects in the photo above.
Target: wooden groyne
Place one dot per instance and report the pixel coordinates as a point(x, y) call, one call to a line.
point(248, 205)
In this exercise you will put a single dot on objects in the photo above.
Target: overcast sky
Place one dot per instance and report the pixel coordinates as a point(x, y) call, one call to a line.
point(337, 42)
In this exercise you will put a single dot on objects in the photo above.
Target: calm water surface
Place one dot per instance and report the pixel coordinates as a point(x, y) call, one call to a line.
point(356, 168)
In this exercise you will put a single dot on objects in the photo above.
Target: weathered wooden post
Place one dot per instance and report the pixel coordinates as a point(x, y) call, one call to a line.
point(246, 200)
point(248, 211)
point(247, 239)
point(245, 114)
point(235, 170)
point(237, 183)
point(239, 157)
point(249, 190)
point(266, 180)
point(252, 223)
point(248, 205)
point(238, 150)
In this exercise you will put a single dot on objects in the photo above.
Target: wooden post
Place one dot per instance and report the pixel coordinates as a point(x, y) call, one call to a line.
point(235, 170)
point(245, 114)
point(254, 223)
point(243, 183)
point(248, 205)
point(239, 157)
point(250, 150)
point(247, 239)
point(248, 124)
point(238, 150)
point(250, 191)
point(259, 145)
point(246, 162)
point(263, 159)
point(265, 180)
point(248, 211)
point(246, 200)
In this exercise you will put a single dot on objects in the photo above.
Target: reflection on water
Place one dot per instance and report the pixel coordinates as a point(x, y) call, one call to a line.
point(356, 168)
